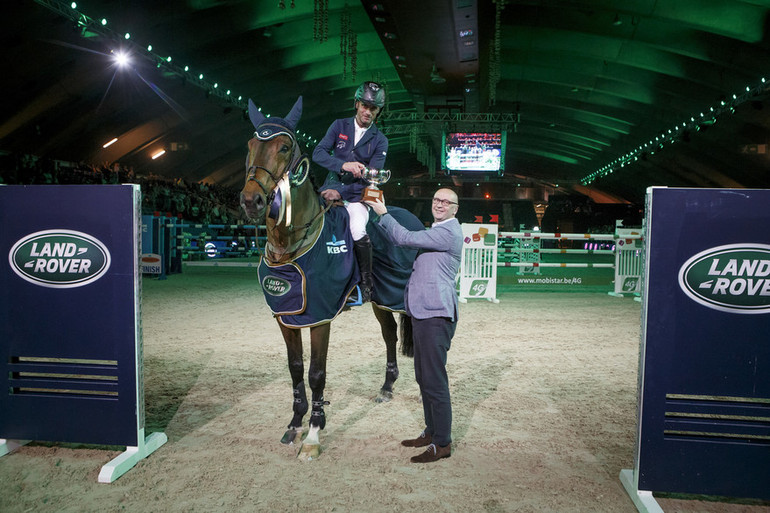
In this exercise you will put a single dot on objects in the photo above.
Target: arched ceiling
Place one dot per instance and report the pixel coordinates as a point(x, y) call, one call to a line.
point(583, 87)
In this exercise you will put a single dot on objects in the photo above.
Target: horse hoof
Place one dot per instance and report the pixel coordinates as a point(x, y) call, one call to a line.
point(291, 436)
point(383, 397)
point(309, 452)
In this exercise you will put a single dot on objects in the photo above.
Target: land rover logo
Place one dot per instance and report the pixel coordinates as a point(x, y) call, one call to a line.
point(732, 278)
point(59, 258)
point(275, 286)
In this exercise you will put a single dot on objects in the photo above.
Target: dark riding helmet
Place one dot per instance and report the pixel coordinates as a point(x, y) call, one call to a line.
point(371, 93)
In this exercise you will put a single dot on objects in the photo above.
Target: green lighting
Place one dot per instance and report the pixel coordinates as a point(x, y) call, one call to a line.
point(216, 85)
point(104, 21)
point(168, 59)
point(127, 36)
point(74, 5)
point(228, 91)
point(240, 98)
point(187, 68)
point(149, 48)
point(200, 77)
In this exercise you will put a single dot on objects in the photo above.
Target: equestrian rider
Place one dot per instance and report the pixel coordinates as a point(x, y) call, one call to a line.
point(349, 147)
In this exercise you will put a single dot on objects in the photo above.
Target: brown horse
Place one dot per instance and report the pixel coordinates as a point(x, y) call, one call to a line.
point(301, 287)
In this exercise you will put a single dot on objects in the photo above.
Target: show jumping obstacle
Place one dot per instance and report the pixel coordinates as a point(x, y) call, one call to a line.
point(523, 250)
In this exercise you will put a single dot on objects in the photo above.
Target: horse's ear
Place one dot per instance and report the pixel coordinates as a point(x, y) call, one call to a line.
point(296, 112)
point(255, 115)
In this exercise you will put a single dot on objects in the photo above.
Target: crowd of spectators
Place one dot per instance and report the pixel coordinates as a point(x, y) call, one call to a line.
point(195, 202)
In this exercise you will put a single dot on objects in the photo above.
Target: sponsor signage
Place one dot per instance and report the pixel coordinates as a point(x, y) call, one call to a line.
point(704, 367)
point(275, 286)
point(59, 258)
point(70, 339)
point(151, 263)
point(731, 278)
point(478, 264)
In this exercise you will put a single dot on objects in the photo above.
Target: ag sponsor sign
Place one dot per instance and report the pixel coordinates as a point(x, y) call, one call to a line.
point(478, 264)
point(59, 258)
point(731, 278)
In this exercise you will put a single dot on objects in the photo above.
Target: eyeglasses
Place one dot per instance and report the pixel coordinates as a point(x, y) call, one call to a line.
point(443, 202)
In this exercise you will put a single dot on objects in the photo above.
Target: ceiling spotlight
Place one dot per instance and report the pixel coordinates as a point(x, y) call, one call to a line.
point(122, 59)
point(435, 77)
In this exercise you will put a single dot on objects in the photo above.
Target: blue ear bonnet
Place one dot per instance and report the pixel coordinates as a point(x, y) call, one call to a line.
point(268, 128)
point(289, 123)
point(273, 127)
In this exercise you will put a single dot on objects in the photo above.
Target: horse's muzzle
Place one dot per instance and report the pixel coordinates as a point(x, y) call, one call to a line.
point(253, 204)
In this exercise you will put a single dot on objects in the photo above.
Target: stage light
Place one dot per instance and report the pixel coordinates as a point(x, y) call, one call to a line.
point(104, 22)
point(122, 59)
point(149, 48)
point(110, 142)
point(158, 154)
point(74, 5)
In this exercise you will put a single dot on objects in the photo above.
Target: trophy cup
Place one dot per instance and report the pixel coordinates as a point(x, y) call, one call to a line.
point(375, 177)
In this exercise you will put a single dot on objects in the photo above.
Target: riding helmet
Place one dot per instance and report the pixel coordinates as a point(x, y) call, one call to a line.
point(372, 93)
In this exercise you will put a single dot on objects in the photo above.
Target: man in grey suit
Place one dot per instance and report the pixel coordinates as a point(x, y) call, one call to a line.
point(430, 299)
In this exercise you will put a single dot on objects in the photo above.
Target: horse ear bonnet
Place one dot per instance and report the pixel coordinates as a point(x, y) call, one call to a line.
point(267, 128)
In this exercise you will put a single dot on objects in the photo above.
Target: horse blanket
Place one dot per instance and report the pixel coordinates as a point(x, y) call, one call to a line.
point(314, 288)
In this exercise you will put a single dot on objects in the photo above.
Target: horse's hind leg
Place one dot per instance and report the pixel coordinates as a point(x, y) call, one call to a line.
point(389, 329)
point(293, 339)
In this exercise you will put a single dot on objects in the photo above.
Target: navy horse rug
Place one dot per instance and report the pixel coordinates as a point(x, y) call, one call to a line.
point(314, 288)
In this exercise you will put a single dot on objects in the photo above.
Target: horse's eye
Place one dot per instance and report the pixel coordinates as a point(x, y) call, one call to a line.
point(284, 148)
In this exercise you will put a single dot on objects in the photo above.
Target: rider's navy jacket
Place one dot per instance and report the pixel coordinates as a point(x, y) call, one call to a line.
point(337, 147)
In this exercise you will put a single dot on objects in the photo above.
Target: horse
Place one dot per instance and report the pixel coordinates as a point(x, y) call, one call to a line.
point(306, 270)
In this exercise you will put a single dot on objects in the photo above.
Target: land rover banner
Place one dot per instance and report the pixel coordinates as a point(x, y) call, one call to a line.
point(70, 341)
point(704, 423)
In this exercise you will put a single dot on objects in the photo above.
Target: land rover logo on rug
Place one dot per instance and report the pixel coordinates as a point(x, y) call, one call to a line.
point(732, 278)
point(276, 286)
point(59, 258)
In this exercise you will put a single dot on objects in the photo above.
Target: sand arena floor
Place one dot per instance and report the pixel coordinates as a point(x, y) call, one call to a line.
point(543, 385)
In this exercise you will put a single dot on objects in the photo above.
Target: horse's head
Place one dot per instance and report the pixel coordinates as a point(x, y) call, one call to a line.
point(274, 164)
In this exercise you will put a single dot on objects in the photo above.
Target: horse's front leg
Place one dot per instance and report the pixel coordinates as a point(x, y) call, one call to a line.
point(293, 339)
point(389, 329)
point(319, 345)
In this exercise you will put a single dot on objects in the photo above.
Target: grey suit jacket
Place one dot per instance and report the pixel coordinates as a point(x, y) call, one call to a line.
point(431, 290)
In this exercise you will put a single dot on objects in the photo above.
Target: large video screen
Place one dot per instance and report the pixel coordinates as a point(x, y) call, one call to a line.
point(470, 152)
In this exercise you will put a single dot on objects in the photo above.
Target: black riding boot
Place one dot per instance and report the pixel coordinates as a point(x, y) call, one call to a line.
point(363, 250)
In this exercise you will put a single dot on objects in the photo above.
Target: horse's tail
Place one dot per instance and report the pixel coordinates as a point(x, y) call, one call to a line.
point(405, 334)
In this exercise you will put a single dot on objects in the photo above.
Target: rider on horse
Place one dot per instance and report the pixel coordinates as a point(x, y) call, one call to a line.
point(349, 147)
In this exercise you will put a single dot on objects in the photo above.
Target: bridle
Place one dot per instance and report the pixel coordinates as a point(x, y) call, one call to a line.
point(298, 166)
point(294, 174)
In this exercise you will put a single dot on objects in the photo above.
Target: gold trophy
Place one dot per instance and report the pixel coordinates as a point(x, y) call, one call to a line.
point(375, 177)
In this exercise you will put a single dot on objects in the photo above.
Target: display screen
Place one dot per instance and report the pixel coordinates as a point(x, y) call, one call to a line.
point(473, 152)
